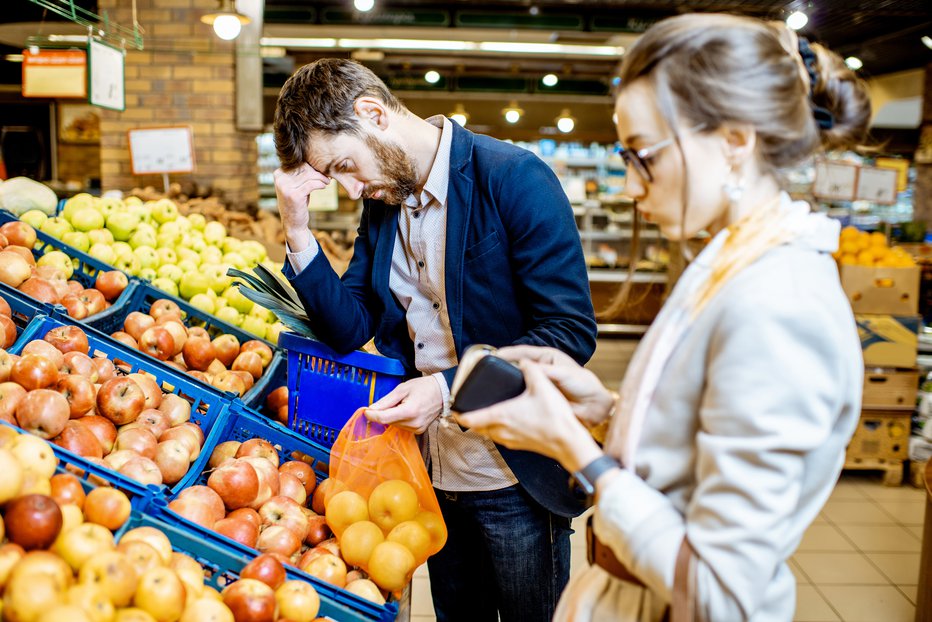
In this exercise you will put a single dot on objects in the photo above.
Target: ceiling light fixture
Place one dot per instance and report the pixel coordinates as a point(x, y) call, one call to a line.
point(459, 115)
point(854, 63)
point(364, 5)
point(550, 79)
point(432, 77)
point(797, 20)
point(513, 112)
point(226, 21)
point(927, 41)
point(14, 58)
point(566, 123)
point(552, 49)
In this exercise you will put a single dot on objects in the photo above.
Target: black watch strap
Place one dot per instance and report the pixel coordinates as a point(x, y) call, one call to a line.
point(585, 478)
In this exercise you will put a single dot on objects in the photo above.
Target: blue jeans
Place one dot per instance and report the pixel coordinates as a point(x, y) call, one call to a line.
point(505, 556)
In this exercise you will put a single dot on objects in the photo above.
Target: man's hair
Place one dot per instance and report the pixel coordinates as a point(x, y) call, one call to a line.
point(319, 98)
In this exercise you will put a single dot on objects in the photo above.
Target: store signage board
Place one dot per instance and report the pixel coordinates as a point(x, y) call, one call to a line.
point(156, 150)
point(55, 73)
point(901, 166)
point(877, 185)
point(835, 181)
point(105, 70)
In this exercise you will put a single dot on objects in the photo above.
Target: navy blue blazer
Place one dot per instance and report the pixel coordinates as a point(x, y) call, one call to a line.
point(515, 274)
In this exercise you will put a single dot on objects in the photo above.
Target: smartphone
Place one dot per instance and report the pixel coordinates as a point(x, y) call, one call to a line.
point(483, 379)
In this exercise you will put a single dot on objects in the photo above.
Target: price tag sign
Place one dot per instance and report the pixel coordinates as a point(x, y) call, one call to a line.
point(55, 73)
point(835, 181)
point(877, 185)
point(156, 150)
point(106, 76)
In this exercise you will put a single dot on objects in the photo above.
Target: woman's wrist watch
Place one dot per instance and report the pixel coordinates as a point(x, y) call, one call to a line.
point(584, 479)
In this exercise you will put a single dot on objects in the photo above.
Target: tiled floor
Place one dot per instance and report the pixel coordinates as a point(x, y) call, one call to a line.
point(859, 561)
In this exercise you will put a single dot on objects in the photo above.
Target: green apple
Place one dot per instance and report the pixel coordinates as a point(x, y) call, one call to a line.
point(186, 266)
point(77, 202)
point(167, 256)
point(108, 205)
point(164, 210)
point(166, 285)
point(198, 244)
point(132, 201)
point(122, 248)
point(197, 221)
point(171, 228)
point(142, 238)
point(211, 255)
point(147, 274)
point(142, 212)
point(102, 252)
point(186, 254)
point(214, 233)
point(147, 226)
point(171, 272)
point(257, 247)
point(163, 240)
point(231, 244)
point(57, 259)
point(219, 301)
point(217, 275)
point(262, 313)
point(229, 315)
point(122, 224)
point(192, 283)
point(128, 263)
point(184, 224)
point(86, 219)
point(234, 259)
point(147, 256)
point(78, 240)
point(274, 330)
point(235, 299)
point(254, 325)
point(100, 236)
point(201, 301)
point(56, 227)
point(34, 218)
point(185, 241)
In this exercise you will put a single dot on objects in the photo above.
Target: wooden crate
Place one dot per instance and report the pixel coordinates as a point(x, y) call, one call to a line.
point(890, 388)
point(881, 434)
point(893, 291)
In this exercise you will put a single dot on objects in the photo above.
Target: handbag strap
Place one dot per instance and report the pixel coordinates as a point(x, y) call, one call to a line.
point(683, 609)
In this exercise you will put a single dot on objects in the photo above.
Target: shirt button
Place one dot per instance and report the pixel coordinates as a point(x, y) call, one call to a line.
point(436, 305)
point(417, 214)
point(420, 346)
point(420, 264)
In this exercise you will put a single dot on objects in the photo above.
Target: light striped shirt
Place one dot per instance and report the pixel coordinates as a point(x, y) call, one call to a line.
point(460, 461)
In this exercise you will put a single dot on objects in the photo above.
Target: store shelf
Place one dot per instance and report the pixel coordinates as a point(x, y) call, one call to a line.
point(645, 234)
point(621, 276)
point(622, 329)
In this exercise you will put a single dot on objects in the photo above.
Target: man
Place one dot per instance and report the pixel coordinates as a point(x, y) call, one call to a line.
point(463, 240)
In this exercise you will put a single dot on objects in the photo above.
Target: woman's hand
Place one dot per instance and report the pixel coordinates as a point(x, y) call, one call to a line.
point(539, 420)
point(590, 401)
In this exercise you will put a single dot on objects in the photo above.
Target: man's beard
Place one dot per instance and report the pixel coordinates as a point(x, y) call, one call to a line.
point(396, 167)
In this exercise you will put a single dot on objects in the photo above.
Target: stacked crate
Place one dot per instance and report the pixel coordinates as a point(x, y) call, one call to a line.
point(885, 303)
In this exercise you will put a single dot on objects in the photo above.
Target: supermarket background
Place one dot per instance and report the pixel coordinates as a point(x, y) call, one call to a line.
point(173, 99)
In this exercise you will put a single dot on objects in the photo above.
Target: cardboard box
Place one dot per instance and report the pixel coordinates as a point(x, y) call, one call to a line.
point(886, 388)
point(888, 291)
point(889, 341)
point(881, 434)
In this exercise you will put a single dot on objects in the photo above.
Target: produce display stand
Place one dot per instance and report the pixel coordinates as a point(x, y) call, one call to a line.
point(326, 388)
point(242, 424)
point(208, 406)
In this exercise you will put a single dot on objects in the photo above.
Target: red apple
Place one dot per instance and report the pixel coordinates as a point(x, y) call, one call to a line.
point(265, 568)
point(329, 568)
point(73, 305)
point(285, 512)
point(41, 289)
point(126, 339)
point(258, 447)
point(228, 381)
point(116, 459)
point(248, 362)
point(317, 530)
point(66, 488)
point(222, 451)
point(179, 335)
point(5, 308)
point(198, 331)
point(278, 539)
point(198, 353)
point(249, 515)
point(68, 339)
point(150, 388)
point(157, 342)
point(120, 400)
point(239, 530)
point(34, 372)
point(143, 470)
point(111, 284)
point(173, 460)
point(102, 429)
point(7, 331)
point(259, 347)
point(7, 361)
point(93, 300)
point(136, 323)
point(19, 233)
point(291, 487)
point(250, 600)
point(193, 511)
point(38, 347)
point(79, 440)
point(42, 412)
point(200, 376)
point(268, 480)
point(80, 364)
point(170, 317)
point(79, 392)
point(163, 306)
point(236, 482)
point(140, 440)
point(105, 369)
point(153, 420)
point(227, 347)
point(32, 521)
point(175, 408)
point(245, 376)
point(10, 396)
point(277, 398)
point(303, 472)
point(108, 507)
point(207, 497)
point(187, 436)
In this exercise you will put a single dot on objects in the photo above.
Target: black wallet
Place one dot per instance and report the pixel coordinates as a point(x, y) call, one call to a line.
point(484, 379)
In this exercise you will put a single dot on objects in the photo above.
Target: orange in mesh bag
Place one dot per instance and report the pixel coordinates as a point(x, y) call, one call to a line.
point(380, 503)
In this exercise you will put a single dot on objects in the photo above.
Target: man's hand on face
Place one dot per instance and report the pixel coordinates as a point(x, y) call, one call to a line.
point(411, 406)
point(293, 189)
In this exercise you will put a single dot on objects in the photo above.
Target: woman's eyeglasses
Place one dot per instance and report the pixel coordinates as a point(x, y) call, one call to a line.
point(640, 159)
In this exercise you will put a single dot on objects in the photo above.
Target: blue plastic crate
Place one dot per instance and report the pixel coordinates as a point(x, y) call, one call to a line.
point(86, 268)
point(275, 376)
point(326, 388)
point(242, 424)
point(23, 308)
point(141, 299)
point(207, 404)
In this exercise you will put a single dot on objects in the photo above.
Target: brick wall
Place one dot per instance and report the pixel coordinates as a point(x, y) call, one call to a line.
point(184, 76)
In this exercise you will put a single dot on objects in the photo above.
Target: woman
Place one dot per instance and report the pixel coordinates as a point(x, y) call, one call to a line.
point(736, 409)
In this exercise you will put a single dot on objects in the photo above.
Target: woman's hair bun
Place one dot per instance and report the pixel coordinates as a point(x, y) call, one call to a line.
point(839, 90)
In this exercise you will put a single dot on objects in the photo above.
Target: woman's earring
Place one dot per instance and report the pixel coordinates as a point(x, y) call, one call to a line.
point(733, 191)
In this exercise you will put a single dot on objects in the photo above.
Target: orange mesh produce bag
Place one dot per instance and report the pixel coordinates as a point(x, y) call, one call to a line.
point(378, 476)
